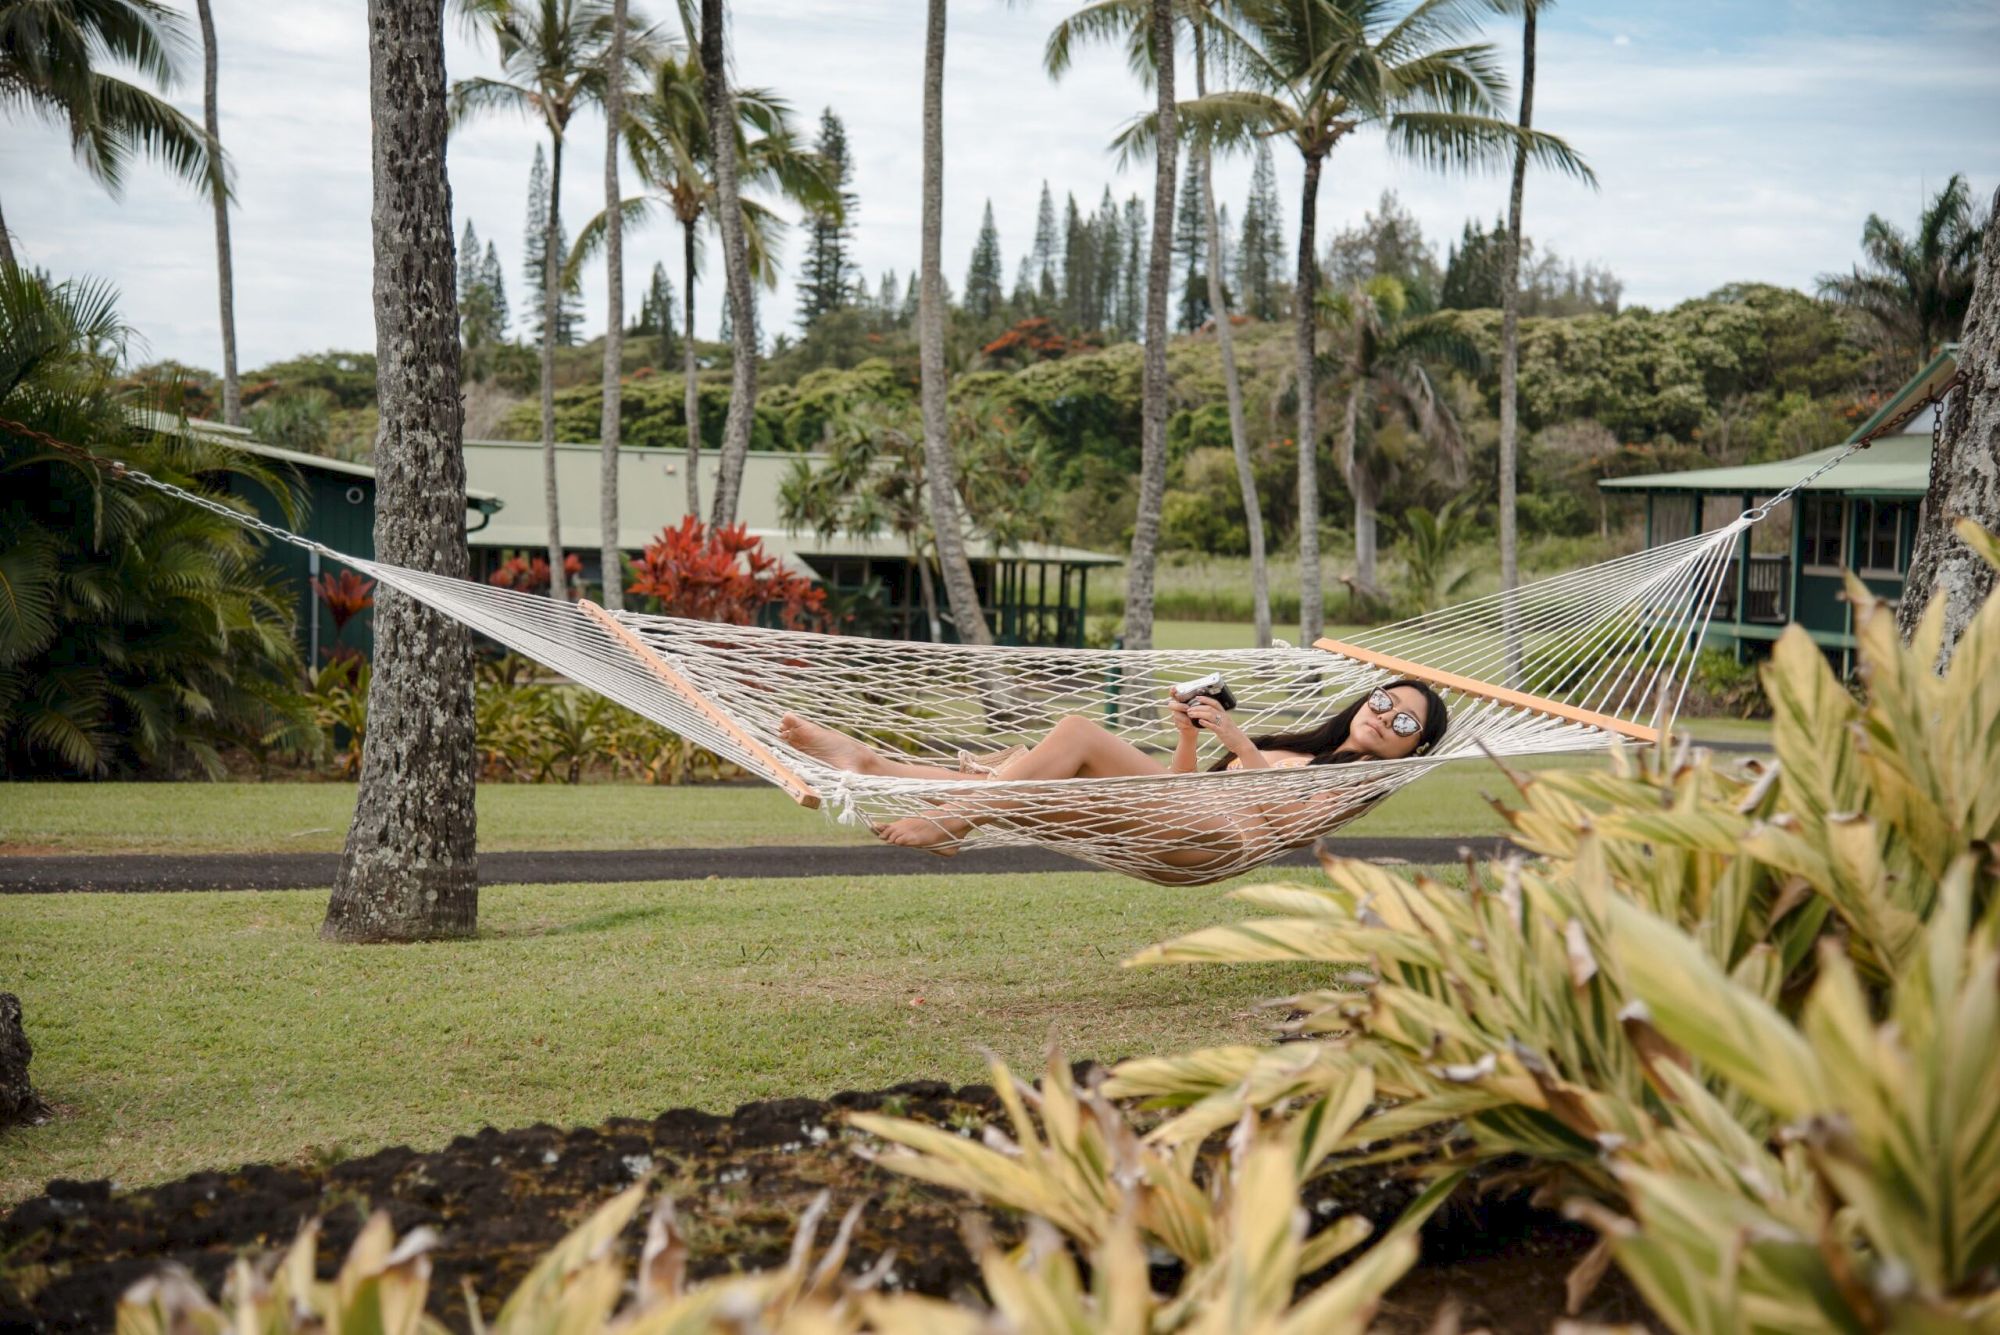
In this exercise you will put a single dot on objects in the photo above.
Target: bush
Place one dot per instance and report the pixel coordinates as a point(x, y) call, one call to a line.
point(1744, 1023)
point(139, 634)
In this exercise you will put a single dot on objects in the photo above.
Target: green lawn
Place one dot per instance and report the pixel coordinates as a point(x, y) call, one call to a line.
point(313, 817)
point(177, 1032)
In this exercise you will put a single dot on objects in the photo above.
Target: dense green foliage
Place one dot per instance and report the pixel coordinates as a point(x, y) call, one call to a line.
point(138, 634)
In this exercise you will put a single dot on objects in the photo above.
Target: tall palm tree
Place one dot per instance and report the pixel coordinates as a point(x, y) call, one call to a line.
point(410, 866)
point(611, 558)
point(1128, 20)
point(218, 193)
point(52, 59)
point(1378, 367)
point(966, 616)
point(1916, 289)
point(1510, 300)
point(735, 266)
point(1965, 469)
point(667, 138)
point(552, 62)
point(1318, 71)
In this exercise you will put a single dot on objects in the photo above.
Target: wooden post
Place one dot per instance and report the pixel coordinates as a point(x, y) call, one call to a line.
point(1505, 695)
point(781, 773)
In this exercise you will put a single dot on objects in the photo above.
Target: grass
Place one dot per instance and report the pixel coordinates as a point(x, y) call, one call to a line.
point(313, 817)
point(213, 1029)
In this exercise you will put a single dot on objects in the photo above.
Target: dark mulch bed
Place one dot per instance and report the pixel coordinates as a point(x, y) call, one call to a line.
point(500, 1198)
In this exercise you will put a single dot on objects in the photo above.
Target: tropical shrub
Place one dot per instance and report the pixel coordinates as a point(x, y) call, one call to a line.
point(725, 575)
point(138, 634)
point(1746, 1009)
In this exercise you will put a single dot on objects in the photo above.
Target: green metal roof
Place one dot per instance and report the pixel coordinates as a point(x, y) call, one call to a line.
point(240, 438)
point(652, 495)
point(1894, 465)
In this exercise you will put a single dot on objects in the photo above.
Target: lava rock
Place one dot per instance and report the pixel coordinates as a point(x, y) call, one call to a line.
point(18, 1101)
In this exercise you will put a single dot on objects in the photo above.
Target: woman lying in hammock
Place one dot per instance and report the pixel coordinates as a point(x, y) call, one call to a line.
point(1401, 719)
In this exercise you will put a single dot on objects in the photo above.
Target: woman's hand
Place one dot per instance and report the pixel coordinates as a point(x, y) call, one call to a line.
point(1182, 723)
point(1216, 720)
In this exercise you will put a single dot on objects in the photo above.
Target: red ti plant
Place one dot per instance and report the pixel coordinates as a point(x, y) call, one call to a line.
point(527, 575)
point(345, 597)
point(725, 575)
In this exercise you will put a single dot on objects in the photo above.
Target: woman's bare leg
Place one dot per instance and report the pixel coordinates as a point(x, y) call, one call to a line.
point(839, 750)
point(1076, 748)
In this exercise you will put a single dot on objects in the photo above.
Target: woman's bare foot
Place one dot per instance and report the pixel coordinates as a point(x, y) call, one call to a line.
point(823, 743)
point(936, 834)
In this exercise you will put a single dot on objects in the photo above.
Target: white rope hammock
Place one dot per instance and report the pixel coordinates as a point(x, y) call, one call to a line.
point(1593, 651)
point(1591, 658)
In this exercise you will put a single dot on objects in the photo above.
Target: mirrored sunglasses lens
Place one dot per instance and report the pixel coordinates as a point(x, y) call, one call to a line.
point(1380, 702)
point(1405, 725)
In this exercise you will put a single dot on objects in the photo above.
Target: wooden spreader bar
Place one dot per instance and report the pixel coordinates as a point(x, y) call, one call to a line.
point(1451, 681)
point(781, 773)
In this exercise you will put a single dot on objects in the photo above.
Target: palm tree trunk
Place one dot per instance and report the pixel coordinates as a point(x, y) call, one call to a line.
point(552, 266)
point(611, 559)
point(409, 869)
point(736, 266)
point(940, 472)
point(691, 391)
point(1225, 339)
point(1311, 607)
point(232, 390)
point(1965, 470)
point(1510, 348)
point(1153, 406)
point(928, 590)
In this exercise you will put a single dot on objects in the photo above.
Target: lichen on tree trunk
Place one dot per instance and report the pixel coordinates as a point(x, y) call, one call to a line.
point(409, 868)
point(1965, 468)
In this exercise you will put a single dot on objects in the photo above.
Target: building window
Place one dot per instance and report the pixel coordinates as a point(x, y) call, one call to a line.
point(1822, 536)
point(1882, 537)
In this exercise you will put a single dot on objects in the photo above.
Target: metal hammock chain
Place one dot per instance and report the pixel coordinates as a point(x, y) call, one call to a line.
point(119, 469)
point(1934, 400)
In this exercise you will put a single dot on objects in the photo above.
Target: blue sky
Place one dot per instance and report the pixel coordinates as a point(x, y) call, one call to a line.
point(1732, 141)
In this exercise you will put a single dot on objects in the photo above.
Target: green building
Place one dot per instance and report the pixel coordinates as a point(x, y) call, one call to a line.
point(338, 510)
point(1861, 516)
point(1032, 592)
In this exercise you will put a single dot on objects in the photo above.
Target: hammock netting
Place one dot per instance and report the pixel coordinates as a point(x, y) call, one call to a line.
point(1587, 659)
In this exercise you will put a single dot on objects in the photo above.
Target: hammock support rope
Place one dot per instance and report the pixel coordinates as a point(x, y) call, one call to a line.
point(1588, 659)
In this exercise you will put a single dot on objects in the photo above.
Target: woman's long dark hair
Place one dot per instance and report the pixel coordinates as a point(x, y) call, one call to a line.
point(1326, 743)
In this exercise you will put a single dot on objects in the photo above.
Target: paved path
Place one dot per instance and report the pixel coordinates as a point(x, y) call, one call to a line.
point(306, 871)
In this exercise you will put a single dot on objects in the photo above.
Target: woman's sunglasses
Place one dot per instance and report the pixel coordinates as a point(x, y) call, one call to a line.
point(1404, 723)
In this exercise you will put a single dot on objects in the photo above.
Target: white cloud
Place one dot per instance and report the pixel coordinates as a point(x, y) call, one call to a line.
point(1755, 160)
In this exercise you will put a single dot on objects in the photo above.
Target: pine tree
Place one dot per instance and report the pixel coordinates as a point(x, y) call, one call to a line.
point(658, 316)
point(889, 301)
point(531, 250)
point(1047, 259)
point(1191, 249)
point(1079, 269)
point(1108, 245)
point(1022, 299)
point(1472, 268)
point(496, 287)
point(983, 294)
point(1132, 283)
point(1262, 260)
point(469, 275)
point(569, 307)
point(827, 281)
